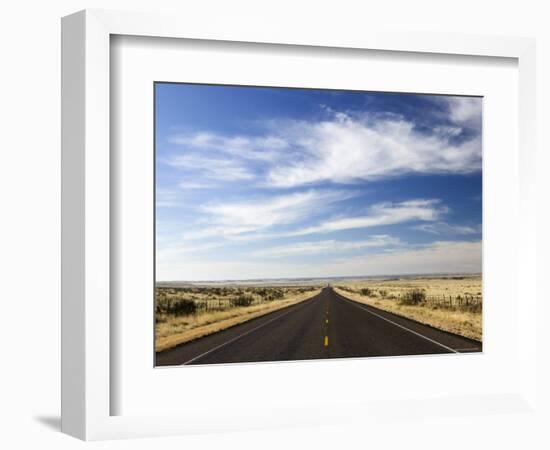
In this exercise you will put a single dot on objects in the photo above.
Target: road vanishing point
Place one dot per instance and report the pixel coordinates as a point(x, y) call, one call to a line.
point(327, 325)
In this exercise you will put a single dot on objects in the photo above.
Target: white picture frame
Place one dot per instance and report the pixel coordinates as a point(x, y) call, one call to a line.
point(87, 386)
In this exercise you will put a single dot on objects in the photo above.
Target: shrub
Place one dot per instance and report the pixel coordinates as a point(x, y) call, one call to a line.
point(242, 300)
point(269, 294)
point(383, 293)
point(413, 297)
point(176, 307)
point(366, 291)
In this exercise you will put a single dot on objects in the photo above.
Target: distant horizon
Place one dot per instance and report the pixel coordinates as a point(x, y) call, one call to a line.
point(439, 274)
point(262, 183)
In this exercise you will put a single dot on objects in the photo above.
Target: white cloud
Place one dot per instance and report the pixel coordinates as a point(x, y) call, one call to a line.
point(446, 228)
point(237, 218)
point(447, 131)
point(465, 110)
point(324, 247)
point(255, 220)
point(263, 148)
point(223, 169)
point(196, 185)
point(382, 214)
point(348, 149)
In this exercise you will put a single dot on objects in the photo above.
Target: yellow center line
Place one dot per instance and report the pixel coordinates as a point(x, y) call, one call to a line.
point(326, 322)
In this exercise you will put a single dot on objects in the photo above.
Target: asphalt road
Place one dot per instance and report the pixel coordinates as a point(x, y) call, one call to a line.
point(325, 326)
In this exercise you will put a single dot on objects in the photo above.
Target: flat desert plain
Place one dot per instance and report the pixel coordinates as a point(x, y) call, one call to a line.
point(452, 303)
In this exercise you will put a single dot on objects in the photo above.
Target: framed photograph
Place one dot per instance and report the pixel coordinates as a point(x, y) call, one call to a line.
point(297, 224)
point(253, 216)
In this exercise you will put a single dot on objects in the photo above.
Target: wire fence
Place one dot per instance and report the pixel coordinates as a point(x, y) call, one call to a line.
point(465, 302)
point(462, 301)
point(184, 301)
point(223, 304)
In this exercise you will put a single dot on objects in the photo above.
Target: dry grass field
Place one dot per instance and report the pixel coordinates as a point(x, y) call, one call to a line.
point(183, 314)
point(450, 303)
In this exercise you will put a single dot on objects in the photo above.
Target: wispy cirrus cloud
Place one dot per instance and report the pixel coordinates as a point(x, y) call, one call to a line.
point(263, 148)
point(197, 185)
point(261, 219)
point(213, 168)
point(443, 228)
point(231, 219)
point(382, 214)
point(326, 247)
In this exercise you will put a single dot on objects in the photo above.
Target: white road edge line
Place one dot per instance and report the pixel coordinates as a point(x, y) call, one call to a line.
point(240, 336)
point(396, 324)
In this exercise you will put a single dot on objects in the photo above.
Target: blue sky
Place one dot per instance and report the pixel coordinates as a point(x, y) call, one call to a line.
point(275, 182)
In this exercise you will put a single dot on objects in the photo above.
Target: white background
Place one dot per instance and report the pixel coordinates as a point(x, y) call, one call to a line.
point(29, 177)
